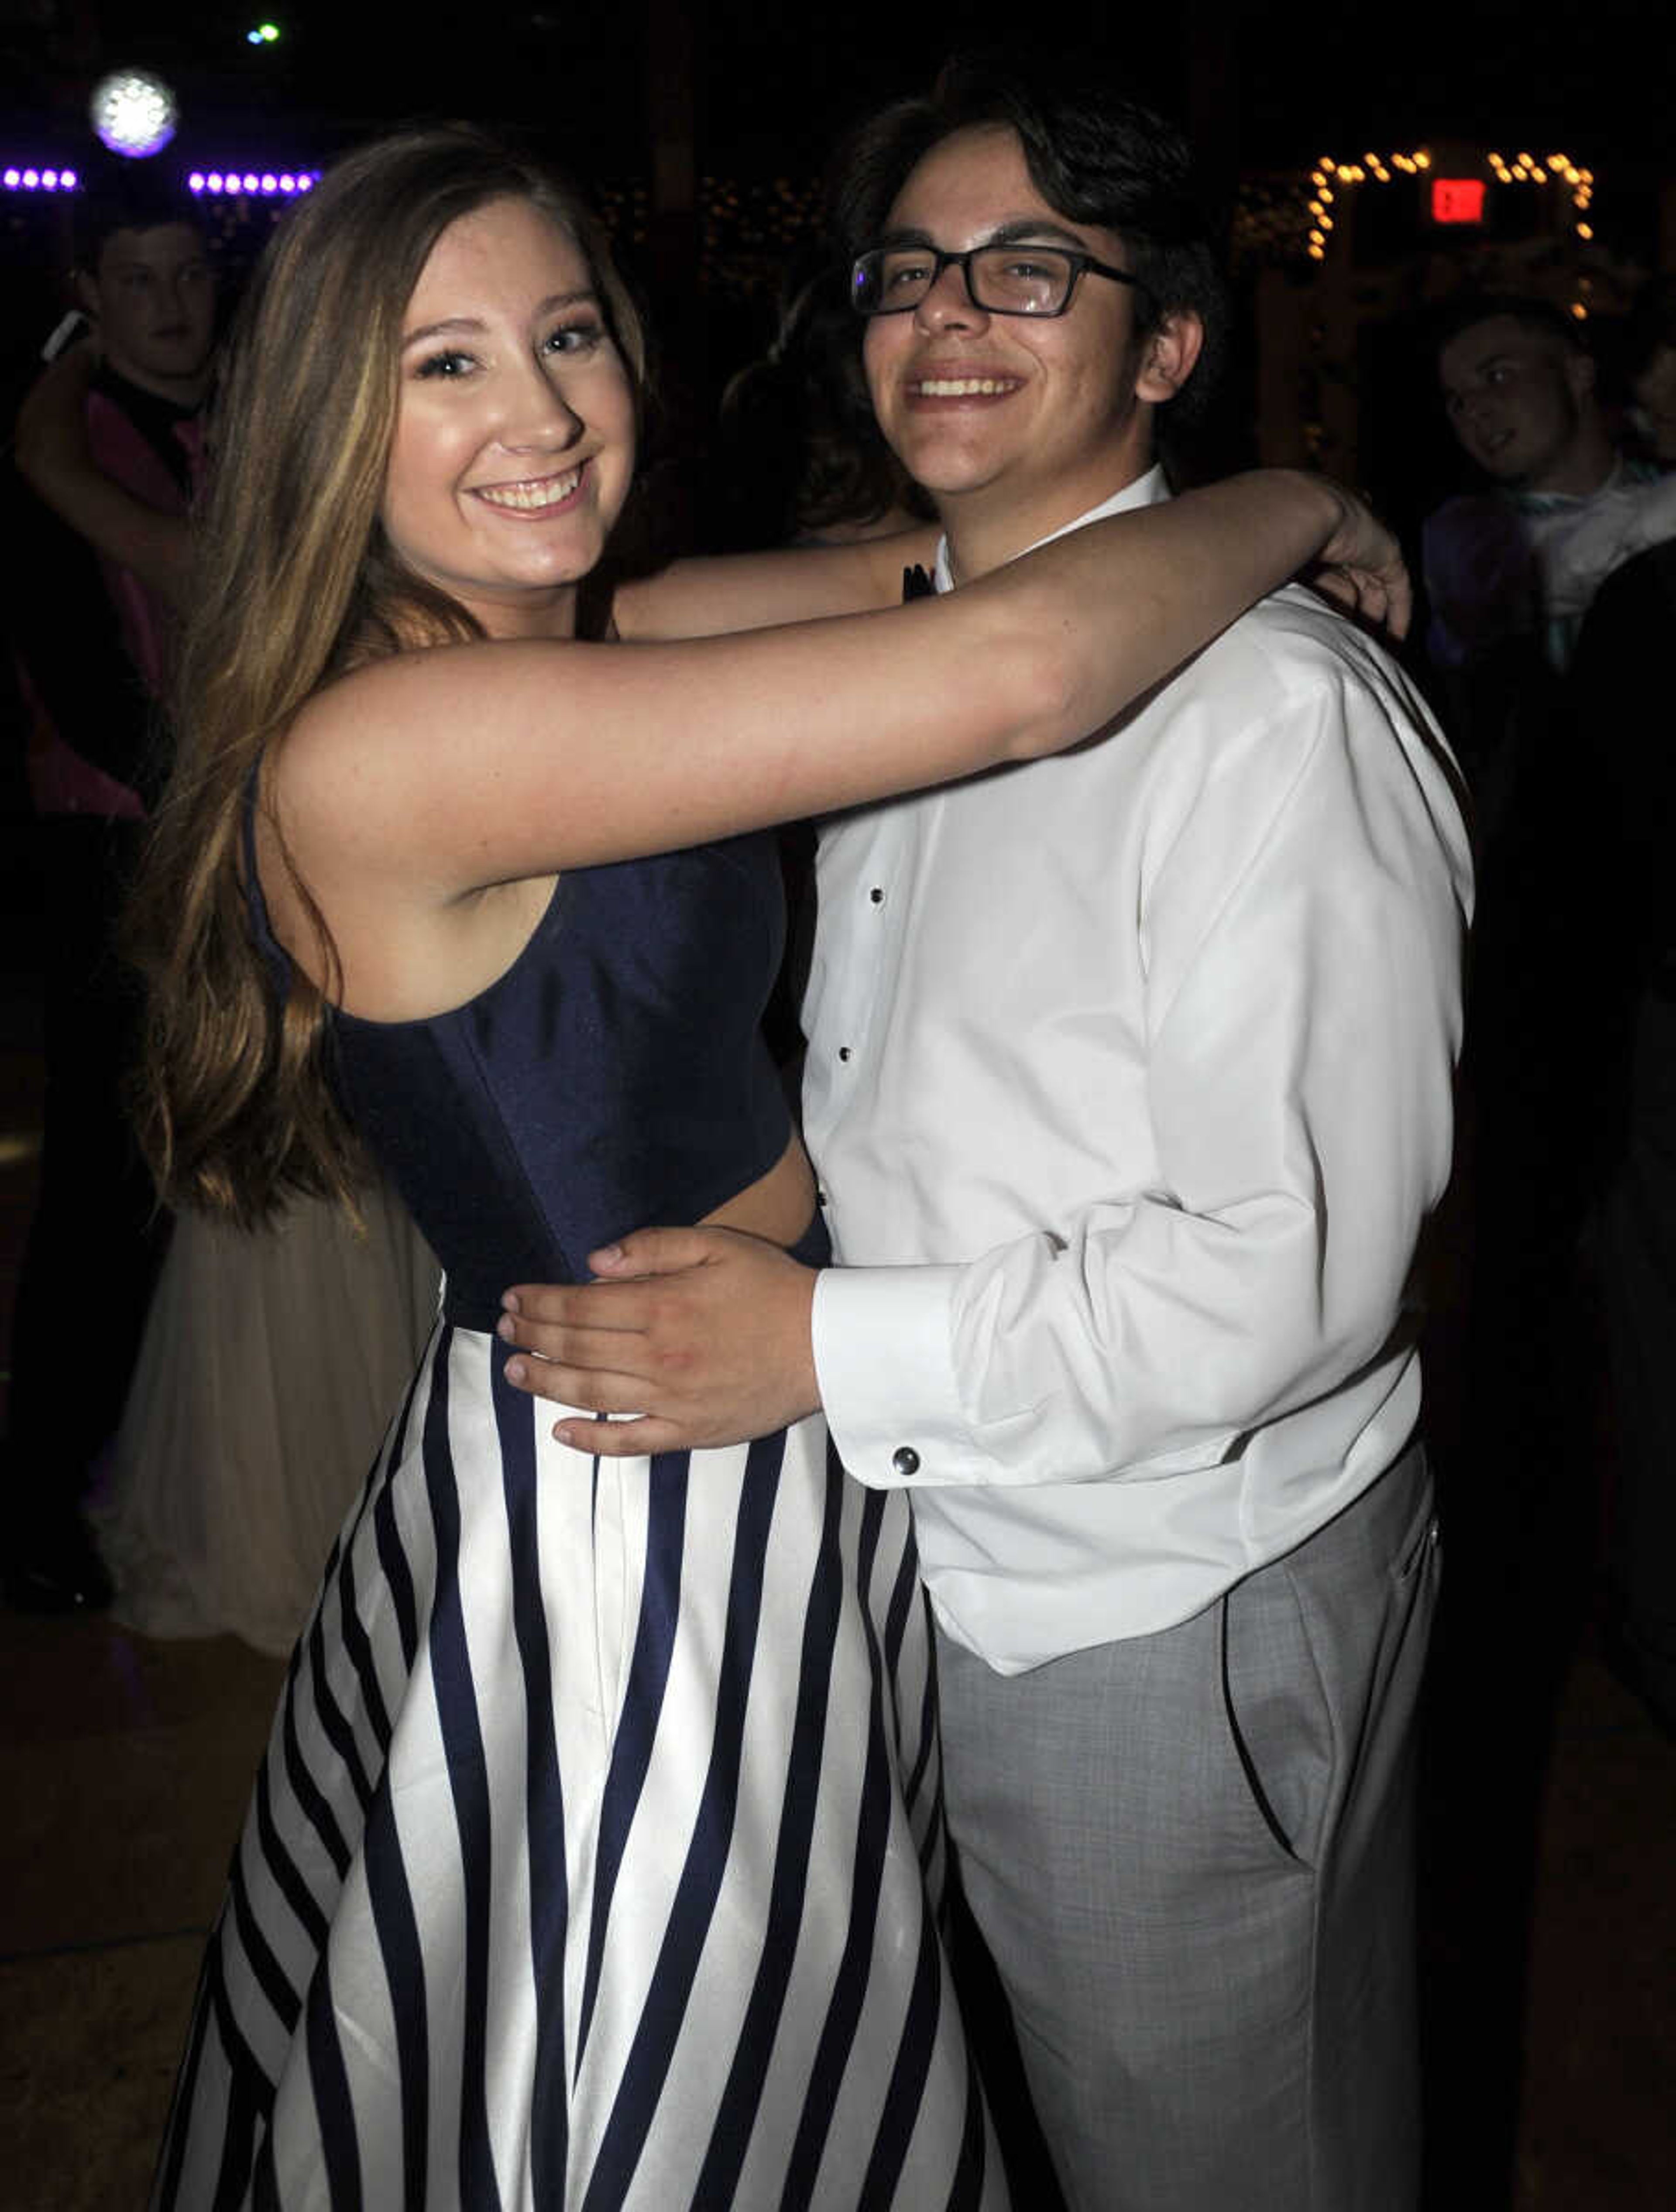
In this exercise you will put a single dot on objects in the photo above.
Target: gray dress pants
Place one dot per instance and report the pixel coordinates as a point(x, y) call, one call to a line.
point(1192, 1855)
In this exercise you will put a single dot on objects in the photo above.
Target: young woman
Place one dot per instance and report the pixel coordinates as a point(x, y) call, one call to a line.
point(592, 1861)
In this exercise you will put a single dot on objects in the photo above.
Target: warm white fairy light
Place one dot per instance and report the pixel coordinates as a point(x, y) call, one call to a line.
point(1523, 168)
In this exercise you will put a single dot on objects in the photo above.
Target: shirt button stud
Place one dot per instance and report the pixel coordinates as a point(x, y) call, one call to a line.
point(905, 1460)
point(843, 1052)
point(876, 896)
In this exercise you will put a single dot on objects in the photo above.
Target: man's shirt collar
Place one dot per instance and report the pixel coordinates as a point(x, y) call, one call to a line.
point(1145, 491)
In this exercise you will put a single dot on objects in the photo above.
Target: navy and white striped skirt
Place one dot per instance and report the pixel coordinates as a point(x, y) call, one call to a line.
point(593, 1860)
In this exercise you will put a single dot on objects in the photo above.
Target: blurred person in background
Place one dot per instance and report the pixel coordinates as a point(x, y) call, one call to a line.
point(225, 1483)
point(1510, 568)
point(1621, 728)
point(91, 637)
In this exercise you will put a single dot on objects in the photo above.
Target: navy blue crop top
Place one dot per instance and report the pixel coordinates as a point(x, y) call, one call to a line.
point(613, 1076)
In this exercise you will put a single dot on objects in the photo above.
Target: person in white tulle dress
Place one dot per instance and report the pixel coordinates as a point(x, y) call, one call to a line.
point(270, 1363)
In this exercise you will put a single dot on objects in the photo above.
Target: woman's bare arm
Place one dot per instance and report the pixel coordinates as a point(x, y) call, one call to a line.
point(474, 765)
point(754, 591)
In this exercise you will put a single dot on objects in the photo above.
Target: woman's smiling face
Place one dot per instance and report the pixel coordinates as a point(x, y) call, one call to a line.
point(514, 444)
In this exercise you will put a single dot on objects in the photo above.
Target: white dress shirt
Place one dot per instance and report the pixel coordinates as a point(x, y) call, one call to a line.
point(1129, 1087)
point(1500, 564)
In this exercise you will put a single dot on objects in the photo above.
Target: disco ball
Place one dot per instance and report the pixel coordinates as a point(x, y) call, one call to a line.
point(133, 113)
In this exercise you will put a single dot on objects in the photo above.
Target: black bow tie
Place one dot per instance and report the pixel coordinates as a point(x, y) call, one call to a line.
point(916, 585)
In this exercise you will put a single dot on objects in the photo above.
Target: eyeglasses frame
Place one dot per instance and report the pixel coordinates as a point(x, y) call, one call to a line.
point(1083, 265)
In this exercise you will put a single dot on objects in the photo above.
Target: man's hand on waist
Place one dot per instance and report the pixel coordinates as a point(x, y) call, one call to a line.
point(703, 1334)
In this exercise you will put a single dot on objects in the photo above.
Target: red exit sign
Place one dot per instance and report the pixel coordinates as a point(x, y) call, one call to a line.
point(1457, 199)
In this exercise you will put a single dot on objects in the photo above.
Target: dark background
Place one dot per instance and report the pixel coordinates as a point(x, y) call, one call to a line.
point(704, 128)
point(723, 111)
point(767, 85)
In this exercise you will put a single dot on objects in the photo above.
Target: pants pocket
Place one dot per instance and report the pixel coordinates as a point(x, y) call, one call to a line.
point(1276, 1709)
point(1422, 1547)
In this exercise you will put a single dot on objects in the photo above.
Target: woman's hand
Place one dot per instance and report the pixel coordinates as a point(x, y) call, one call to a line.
point(1361, 567)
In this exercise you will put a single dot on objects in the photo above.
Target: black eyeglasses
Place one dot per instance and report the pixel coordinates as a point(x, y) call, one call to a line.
point(1001, 280)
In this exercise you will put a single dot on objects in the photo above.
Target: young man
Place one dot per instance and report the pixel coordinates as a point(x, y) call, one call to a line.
point(1128, 1089)
point(90, 639)
point(1514, 567)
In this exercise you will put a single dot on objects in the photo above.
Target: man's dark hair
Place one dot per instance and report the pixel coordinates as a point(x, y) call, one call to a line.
point(1541, 318)
point(124, 203)
point(1093, 154)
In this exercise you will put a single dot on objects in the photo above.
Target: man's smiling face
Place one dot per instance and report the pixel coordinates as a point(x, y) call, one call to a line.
point(1516, 398)
point(1016, 424)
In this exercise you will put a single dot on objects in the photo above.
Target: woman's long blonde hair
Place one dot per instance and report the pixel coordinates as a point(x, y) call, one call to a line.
point(295, 583)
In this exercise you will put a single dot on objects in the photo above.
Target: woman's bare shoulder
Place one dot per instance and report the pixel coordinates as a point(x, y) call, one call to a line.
point(323, 774)
point(413, 762)
point(354, 719)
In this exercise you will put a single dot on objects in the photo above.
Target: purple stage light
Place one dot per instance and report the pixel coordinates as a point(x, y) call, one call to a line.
point(251, 184)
